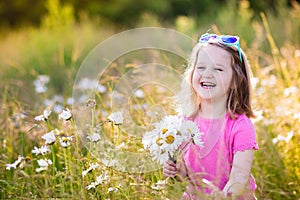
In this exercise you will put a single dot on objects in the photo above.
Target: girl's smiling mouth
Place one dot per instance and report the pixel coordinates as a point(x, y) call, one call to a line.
point(207, 85)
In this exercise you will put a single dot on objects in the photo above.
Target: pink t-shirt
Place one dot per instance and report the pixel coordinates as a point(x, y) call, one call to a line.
point(222, 137)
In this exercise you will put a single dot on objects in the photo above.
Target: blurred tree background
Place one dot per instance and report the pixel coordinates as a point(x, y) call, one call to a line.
point(14, 14)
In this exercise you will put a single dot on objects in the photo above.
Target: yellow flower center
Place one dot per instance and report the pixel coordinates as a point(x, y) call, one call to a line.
point(159, 141)
point(164, 130)
point(170, 139)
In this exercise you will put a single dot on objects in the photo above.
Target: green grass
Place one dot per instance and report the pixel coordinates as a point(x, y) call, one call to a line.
point(27, 53)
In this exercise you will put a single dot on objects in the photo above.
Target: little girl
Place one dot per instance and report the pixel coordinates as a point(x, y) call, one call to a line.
point(216, 95)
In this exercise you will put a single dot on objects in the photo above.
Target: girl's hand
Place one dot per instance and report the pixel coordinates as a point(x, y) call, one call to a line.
point(169, 169)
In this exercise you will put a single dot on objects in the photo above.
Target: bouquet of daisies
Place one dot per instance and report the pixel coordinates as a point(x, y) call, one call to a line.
point(169, 134)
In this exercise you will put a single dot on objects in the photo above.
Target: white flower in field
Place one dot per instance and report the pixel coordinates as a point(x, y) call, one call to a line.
point(40, 83)
point(16, 163)
point(116, 118)
point(99, 180)
point(65, 114)
point(101, 88)
point(93, 166)
point(49, 137)
point(112, 189)
point(269, 82)
point(44, 116)
point(291, 90)
point(65, 141)
point(254, 81)
point(91, 186)
point(139, 94)
point(297, 116)
point(87, 84)
point(102, 178)
point(172, 131)
point(70, 101)
point(43, 163)
point(43, 150)
point(94, 137)
point(109, 163)
point(283, 138)
point(161, 184)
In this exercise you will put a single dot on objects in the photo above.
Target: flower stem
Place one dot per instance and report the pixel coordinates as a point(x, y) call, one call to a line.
point(53, 165)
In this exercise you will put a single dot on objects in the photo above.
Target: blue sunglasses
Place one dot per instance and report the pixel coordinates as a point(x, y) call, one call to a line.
point(229, 40)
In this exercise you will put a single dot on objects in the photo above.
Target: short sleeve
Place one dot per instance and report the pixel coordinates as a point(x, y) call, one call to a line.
point(244, 136)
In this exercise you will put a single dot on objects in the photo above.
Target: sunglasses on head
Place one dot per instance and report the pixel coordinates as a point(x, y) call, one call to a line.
point(229, 40)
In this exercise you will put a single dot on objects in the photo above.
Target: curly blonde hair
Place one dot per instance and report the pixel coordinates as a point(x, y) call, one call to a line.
point(239, 94)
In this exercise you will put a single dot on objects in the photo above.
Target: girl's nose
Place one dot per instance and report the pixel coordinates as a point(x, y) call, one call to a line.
point(207, 73)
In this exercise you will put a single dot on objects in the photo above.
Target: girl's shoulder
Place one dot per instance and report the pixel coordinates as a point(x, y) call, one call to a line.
point(242, 122)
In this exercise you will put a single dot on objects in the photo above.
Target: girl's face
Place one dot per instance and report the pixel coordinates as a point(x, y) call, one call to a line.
point(213, 73)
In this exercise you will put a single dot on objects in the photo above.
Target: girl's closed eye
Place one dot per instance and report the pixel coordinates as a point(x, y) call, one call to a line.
point(219, 69)
point(201, 67)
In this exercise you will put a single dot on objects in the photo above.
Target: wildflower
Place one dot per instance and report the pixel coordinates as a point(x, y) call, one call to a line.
point(139, 94)
point(43, 150)
point(87, 84)
point(16, 163)
point(159, 185)
point(43, 163)
point(116, 118)
point(291, 90)
point(70, 101)
point(60, 133)
point(101, 88)
point(91, 103)
point(40, 83)
point(94, 137)
point(91, 186)
point(254, 81)
point(113, 189)
point(102, 178)
point(283, 138)
point(65, 141)
point(164, 140)
point(44, 116)
point(91, 167)
point(49, 137)
point(65, 114)
point(109, 163)
point(99, 180)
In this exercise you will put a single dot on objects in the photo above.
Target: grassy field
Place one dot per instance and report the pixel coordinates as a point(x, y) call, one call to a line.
point(75, 167)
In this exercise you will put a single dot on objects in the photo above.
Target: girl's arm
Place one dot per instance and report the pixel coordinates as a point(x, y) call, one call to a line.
point(240, 173)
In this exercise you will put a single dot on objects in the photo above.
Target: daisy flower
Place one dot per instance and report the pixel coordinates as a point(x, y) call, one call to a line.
point(65, 141)
point(16, 163)
point(139, 94)
point(91, 167)
point(164, 140)
point(65, 114)
point(112, 189)
point(94, 137)
point(43, 163)
point(44, 116)
point(161, 184)
point(99, 180)
point(49, 137)
point(40, 83)
point(116, 118)
point(43, 150)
